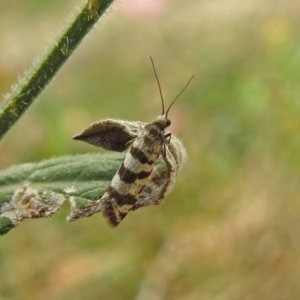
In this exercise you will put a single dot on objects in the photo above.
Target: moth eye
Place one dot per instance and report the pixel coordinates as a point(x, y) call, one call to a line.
point(168, 122)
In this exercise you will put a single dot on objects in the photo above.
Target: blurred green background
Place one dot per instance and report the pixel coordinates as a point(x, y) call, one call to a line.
point(230, 228)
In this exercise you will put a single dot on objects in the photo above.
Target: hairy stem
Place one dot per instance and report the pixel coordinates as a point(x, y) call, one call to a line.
point(43, 70)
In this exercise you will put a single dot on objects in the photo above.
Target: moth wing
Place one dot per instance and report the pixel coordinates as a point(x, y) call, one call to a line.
point(113, 135)
point(163, 177)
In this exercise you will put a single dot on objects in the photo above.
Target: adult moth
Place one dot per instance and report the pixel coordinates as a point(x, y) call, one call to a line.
point(139, 181)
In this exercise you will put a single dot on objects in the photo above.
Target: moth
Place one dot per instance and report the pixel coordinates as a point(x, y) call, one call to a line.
point(139, 181)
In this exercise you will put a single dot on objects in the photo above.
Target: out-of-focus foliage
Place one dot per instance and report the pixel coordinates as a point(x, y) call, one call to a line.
point(230, 229)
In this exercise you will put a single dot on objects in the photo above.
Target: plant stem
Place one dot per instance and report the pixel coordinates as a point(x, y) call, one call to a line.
point(43, 70)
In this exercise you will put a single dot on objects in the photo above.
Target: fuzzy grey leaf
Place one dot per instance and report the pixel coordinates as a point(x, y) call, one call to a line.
point(37, 190)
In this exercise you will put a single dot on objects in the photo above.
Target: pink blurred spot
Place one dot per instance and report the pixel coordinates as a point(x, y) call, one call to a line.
point(143, 8)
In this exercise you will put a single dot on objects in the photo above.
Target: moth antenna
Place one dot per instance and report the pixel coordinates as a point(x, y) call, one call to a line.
point(161, 96)
point(179, 95)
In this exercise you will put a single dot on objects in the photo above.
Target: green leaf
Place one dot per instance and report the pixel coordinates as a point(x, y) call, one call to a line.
point(36, 190)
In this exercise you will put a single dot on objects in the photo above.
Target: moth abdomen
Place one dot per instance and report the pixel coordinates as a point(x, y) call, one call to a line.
point(128, 176)
point(116, 205)
point(140, 156)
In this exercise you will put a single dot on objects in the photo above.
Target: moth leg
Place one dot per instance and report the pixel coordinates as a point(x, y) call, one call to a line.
point(168, 137)
point(166, 142)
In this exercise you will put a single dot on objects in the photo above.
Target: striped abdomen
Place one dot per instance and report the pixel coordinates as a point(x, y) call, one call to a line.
point(137, 166)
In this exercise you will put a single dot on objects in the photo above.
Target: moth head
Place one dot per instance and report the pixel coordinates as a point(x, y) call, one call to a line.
point(162, 119)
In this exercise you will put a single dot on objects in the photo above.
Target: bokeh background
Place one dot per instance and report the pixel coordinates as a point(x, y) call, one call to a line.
point(231, 227)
